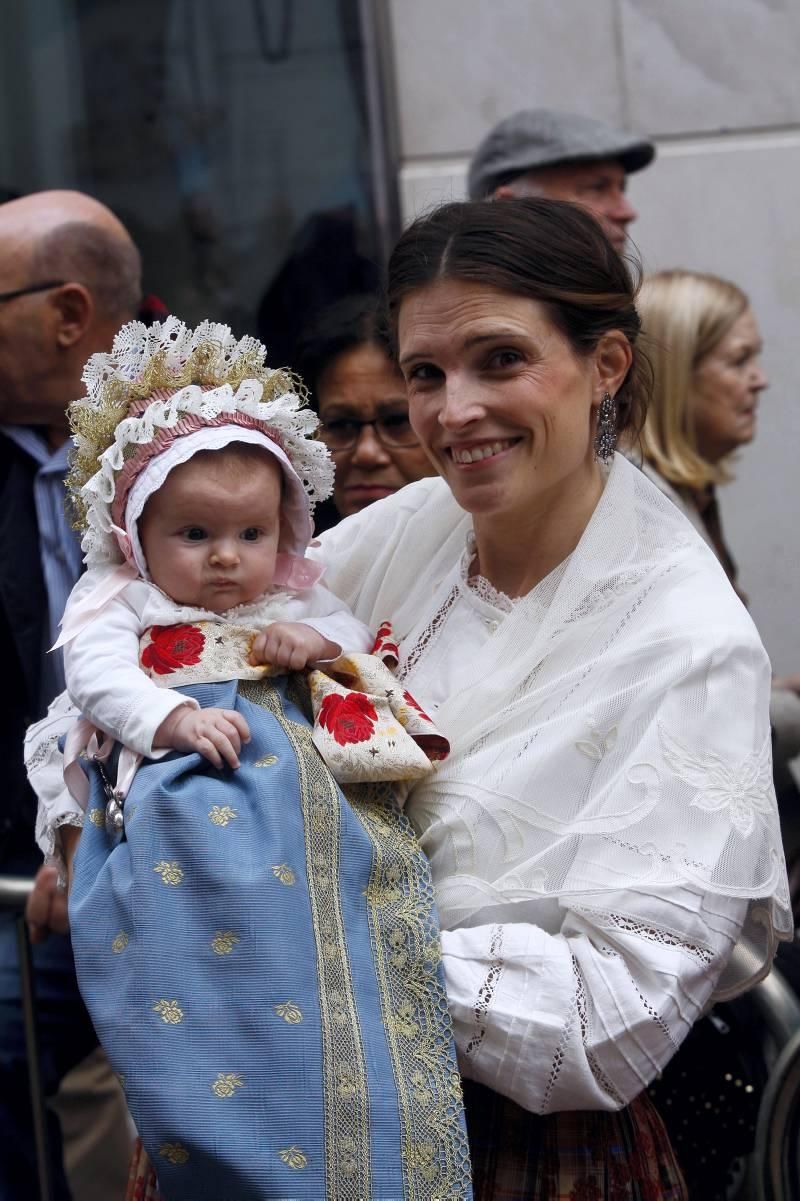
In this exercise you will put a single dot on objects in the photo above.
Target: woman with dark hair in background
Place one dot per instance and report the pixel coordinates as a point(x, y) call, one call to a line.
point(604, 834)
point(360, 395)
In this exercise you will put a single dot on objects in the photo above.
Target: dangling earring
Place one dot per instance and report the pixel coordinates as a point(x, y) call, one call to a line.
point(605, 439)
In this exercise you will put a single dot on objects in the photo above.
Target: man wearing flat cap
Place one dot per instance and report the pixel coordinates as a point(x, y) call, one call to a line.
point(562, 156)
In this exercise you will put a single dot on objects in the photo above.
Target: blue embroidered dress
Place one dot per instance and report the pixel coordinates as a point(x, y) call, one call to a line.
point(259, 953)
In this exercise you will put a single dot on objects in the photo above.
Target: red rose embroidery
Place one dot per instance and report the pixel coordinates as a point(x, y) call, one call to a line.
point(409, 700)
point(384, 641)
point(172, 647)
point(349, 718)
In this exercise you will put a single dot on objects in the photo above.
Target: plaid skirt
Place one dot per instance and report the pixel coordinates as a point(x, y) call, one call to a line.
point(517, 1156)
point(582, 1156)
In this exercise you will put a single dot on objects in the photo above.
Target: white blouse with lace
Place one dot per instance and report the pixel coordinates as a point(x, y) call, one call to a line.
point(604, 832)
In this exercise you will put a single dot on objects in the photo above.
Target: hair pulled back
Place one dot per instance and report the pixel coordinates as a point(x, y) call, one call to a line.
point(548, 250)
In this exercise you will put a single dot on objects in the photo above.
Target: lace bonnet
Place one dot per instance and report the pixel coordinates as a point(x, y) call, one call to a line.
point(165, 384)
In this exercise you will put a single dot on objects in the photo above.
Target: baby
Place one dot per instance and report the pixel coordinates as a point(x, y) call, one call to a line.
point(208, 543)
point(257, 952)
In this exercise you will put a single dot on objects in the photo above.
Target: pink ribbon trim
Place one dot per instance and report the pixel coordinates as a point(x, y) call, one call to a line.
point(296, 574)
point(88, 607)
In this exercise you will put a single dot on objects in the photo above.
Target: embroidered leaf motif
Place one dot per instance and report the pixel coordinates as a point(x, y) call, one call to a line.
point(226, 1084)
point(120, 942)
point(97, 817)
point(600, 743)
point(224, 941)
point(221, 814)
point(169, 1012)
point(744, 788)
point(293, 1157)
point(170, 872)
point(173, 1153)
point(266, 761)
point(284, 873)
point(289, 1012)
point(422, 1157)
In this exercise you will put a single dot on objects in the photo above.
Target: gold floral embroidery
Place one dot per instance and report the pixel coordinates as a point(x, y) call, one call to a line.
point(173, 1153)
point(293, 1157)
point(405, 942)
point(224, 941)
point(284, 873)
point(120, 942)
point(344, 1088)
point(226, 1084)
point(169, 1012)
point(266, 761)
point(97, 817)
point(290, 1013)
point(222, 814)
point(170, 872)
point(422, 1157)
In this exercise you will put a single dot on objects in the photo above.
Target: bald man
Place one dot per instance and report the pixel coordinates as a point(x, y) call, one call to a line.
point(69, 277)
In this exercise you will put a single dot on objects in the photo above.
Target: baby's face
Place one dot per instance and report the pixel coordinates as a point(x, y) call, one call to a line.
point(210, 534)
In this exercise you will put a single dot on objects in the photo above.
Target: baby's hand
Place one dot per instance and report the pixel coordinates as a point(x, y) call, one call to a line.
point(217, 734)
point(292, 645)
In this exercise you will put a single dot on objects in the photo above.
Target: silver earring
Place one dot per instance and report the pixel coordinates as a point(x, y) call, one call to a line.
point(605, 439)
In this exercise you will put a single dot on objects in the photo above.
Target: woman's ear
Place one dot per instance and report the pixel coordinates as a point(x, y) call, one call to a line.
point(72, 311)
point(612, 359)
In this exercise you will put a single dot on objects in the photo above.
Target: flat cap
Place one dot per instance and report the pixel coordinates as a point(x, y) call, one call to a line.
point(542, 137)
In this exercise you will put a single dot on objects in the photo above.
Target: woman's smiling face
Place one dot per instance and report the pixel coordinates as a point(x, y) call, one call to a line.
point(500, 401)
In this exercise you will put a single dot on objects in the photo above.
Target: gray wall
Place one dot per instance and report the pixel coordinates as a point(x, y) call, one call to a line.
point(717, 83)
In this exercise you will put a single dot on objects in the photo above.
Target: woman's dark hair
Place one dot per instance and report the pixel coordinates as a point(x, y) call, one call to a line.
point(353, 321)
point(547, 250)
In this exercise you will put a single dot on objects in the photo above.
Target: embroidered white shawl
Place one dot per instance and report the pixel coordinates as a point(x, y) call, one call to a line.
point(617, 746)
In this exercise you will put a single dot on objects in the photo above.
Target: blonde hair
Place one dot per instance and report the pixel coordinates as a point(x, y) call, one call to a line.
point(685, 314)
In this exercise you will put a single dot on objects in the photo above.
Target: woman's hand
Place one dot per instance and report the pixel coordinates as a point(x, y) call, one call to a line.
point(217, 734)
point(46, 907)
point(292, 645)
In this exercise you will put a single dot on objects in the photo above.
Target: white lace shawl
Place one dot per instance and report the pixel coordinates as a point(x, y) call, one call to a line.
point(617, 746)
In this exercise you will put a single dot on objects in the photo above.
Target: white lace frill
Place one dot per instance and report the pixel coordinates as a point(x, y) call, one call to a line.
point(172, 345)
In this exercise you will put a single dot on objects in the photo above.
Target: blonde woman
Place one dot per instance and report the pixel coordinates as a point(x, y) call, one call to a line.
point(705, 347)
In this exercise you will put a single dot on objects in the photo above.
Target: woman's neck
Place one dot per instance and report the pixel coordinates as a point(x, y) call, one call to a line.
point(516, 551)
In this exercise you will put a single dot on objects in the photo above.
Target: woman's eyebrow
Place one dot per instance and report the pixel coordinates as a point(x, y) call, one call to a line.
point(473, 340)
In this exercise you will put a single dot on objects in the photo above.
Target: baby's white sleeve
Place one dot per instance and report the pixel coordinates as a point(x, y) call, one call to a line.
point(106, 683)
point(329, 616)
point(45, 765)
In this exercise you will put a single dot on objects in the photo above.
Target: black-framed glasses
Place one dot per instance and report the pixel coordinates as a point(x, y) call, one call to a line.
point(29, 289)
point(393, 430)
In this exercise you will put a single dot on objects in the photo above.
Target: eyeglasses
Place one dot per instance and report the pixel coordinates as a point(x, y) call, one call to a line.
point(45, 286)
point(393, 430)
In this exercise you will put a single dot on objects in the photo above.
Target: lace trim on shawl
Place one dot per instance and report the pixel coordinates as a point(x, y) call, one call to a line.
point(428, 635)
point(486, 991)
point(479, 585)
